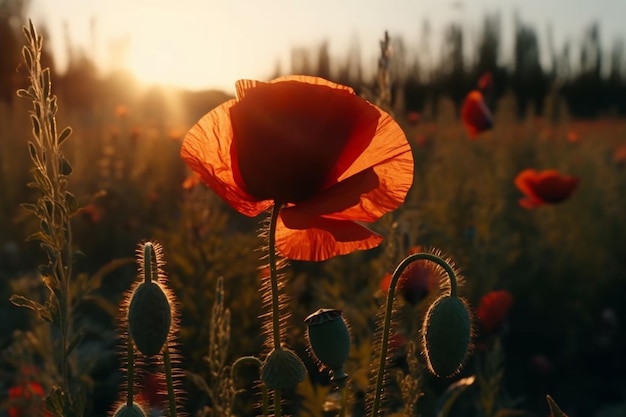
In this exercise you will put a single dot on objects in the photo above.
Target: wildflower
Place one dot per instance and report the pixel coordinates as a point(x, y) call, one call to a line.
point(329, 158)
point(619, 156)
point(475, 115)
point(493, 309)
point(413, 117)
point(91, 212)
point(544, 187)
point(121, 111)
point(416, 281)
point(485, 82)
point(573, 136)
point(24, 399)
point(191, 181)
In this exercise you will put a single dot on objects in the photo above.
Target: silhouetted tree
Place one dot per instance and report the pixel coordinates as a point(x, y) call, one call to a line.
point(323, 61)
point(530, 84)
point(488, 55)
point(454, 79)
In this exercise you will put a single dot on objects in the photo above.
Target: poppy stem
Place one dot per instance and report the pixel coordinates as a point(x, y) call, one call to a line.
point(130, 372)
point(422, 256)
point(275, 300)
point(167, 364)
point(274, 275)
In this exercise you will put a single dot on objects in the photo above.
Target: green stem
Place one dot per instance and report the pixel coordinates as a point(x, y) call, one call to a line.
point(130, 378)
point(274, 275)
point(389, 309)
point(275, 300)
point(167, 364)
point(277, 399)
point(344, 401)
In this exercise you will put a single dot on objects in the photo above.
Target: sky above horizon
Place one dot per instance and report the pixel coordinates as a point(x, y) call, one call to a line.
point(202, 44)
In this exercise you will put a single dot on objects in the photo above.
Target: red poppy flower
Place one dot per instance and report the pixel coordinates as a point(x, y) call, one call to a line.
point(485, 82)
point(26, 400)
point(544, 187)
point(413, 117)
point(330, 158)
point(493, 309)
point(475, 115)
point(416, 281)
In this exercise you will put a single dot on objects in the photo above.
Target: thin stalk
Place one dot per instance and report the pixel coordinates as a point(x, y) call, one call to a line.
point(275, 300)
point(130, 378)
point(167, 364)
point(422, 256)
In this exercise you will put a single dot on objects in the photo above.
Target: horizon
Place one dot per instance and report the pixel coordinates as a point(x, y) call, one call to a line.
point(239, 44)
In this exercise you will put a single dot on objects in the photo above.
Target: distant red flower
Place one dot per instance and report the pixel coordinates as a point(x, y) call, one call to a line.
point(485, 82)
point(121, 111)
point(154, 390)
point(413, 117)
point(91, 212)
point(573, 136)
point(544, 187)
point(416, 281)
point(330, 158)
point(493, 309)
point(475, 115)
point(619, 157)
point(191, 181)
point(26, 400)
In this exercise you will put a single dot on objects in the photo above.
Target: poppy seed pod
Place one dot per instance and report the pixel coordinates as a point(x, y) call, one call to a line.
point(329, 340)
point(134, 410)
point(446, 333)
point(282, 369)
point(149, 318)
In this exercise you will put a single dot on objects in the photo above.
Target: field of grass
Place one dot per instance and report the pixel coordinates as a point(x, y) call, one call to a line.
point(564, 264)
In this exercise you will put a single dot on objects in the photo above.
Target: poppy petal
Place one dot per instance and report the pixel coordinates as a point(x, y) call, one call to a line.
point(207, 150)
point(289, 136)
point(524, 182)
point(475, 115)
point(243, 86)
point(308, 238)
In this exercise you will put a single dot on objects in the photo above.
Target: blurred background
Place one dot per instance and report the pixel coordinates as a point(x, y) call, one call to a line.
point(133, 76)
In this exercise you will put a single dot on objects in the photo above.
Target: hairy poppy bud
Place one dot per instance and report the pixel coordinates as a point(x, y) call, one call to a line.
point(134, 410)
point(329, 341)
point(447, 333)
point(149, 318)
point(282, 369)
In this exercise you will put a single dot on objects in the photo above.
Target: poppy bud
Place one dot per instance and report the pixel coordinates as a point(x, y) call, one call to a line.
point(329, 340)
point(446, 333)
point(282, 369)
point(149, 318)
point(134, 410)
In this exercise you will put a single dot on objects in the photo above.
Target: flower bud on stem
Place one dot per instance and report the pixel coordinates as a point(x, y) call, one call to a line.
point(389, 309)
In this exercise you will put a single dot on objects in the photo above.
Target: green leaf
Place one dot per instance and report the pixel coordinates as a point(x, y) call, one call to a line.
point(36, 126)
point(75, 342)
point(452, 393)
point(198, 381)
point(555, 411)
point(31, 208)
point(71, 202)
point(65, 134)
point(105, 304)
point(96, 278)
point(56, 402)
point(64, 166)
point(42, 312)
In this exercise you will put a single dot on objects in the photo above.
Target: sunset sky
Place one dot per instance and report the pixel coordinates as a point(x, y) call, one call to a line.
point(200, 44)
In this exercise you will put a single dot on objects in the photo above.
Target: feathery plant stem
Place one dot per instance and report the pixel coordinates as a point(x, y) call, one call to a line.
point(167, 364)
point(275, 302)
point(389, 309)
point(54, 208)
point(274, 275)
point(130, 371)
